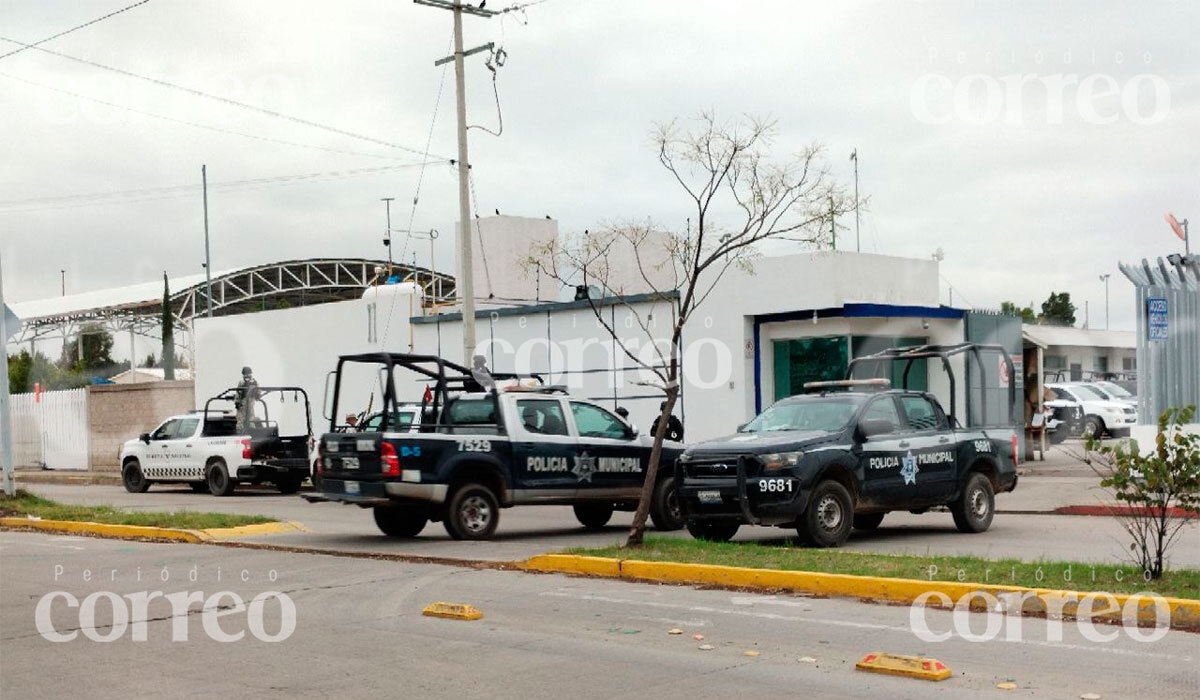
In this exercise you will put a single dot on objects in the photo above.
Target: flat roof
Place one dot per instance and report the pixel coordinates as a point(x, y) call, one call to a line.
point(1048, 336)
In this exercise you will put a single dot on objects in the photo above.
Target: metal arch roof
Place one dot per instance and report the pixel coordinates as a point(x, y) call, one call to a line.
point(313, 280)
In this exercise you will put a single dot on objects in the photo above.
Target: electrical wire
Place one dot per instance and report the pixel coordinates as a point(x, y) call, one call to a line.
point(156, 193)
point(224, 100)
point(487, 273)
point(72, 29)
point(197, 125)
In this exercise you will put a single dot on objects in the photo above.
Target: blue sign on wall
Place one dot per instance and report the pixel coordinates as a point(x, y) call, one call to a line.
point(1156, 318)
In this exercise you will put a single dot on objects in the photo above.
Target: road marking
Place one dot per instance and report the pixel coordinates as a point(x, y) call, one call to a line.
point(854, 625)
point(769, 600)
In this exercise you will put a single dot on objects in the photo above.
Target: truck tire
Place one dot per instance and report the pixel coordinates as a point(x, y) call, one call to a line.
point(713, 530)
point(133, 478)
point(829, 516)
point(976, 505)
point(400, 521)
point(868, 521)
point(289, 484)
point(665, 509)
point(1093, 427)
point(218, 479)
point(593, 515)
point(472, 512)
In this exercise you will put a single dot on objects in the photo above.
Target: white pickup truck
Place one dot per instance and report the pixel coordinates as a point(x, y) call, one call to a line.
point(206, 450)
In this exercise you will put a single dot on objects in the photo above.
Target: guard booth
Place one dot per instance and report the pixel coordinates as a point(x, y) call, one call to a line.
point(1168, 334)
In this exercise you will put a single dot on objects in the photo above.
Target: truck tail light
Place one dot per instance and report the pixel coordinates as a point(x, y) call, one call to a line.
point(1014, 445)
point(246, 448)
point(319, 462)
point(389, 460)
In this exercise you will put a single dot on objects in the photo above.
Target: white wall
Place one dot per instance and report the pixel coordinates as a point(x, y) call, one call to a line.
point(499, 247)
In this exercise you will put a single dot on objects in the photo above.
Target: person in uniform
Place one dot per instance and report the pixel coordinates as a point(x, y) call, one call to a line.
point(243, 403)
point(674, 425)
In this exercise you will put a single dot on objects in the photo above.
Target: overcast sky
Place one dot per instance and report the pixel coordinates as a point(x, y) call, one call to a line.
point(1027, 189)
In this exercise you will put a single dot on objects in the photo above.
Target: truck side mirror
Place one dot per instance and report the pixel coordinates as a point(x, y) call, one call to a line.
point(632, 431)
point(144, 437)
point(875, 426)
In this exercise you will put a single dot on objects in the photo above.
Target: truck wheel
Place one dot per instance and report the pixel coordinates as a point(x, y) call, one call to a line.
point(713, 530)
point(868, 521)
point(289, 484)
point(829, 516)
point(593, 515)
point(1093, 427)
point(198, 486)
point(400, 521)
point(974, 508)
point(665, 510)
point(217, 476)
point(472, 513)
point(132, 477)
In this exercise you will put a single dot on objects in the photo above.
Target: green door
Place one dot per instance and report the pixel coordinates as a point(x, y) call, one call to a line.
point(808, 360)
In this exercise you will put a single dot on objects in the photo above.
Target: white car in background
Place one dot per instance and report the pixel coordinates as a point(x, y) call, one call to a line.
point(1114, 392)
point(1101, 415)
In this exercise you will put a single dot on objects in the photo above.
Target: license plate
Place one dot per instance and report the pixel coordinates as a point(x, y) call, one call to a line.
point(350, 487)
point(349, 462)
point(709, 496)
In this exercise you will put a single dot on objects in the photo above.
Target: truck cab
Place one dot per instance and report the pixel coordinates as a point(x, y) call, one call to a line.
point(477, 449)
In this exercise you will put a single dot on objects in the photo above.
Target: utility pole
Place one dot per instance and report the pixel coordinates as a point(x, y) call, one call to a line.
point(466, 272)
point(1104, 279)
point(857, 235)
point(832, 224)
point(387, 234)
point(207, 257)
point(6, 454)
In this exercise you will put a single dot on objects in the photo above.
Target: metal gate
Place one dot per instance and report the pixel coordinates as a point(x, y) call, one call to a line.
point(1168, 338)
point(51, 432)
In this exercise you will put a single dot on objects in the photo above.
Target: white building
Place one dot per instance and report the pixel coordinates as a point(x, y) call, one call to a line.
point(1075, 354)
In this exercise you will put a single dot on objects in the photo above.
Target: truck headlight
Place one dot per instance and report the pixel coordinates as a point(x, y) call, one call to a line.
point(780, 460)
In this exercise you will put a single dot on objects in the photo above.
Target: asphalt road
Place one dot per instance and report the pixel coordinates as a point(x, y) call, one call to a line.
point(530, 530)
point(358, 633)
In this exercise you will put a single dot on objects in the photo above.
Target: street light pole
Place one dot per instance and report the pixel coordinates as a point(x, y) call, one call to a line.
point(857, 236)
point(6, 453)
point(387, 236)
point(1104, 279)
point(207, 257)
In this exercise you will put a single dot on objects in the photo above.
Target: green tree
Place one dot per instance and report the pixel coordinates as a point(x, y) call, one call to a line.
point(1026, 313)
point(20, 371)
point(1058, 310)
point(89, 350)
point(168, 333)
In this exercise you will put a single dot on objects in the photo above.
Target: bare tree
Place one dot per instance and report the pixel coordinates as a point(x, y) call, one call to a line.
point(739, 197)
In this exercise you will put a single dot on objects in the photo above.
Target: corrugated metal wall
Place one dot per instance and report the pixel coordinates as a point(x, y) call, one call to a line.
point(53, 432)
point(1168, 370)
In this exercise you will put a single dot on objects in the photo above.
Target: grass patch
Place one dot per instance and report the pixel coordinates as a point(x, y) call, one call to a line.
point(1180, 583)
point(25, 503)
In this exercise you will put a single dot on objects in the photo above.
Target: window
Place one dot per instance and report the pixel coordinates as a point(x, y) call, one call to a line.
point(1101, 363)
point(399, 421)
point(594, 421)
point(220, 427)
point(1087, 393)
point(472, 412)
point(166, 431)
point(186, 428)
point(542, 416)
point(1055, 361)
point(921, 413)
point(807, 360)
point(1061, 394)
point(806, 413)
point(1128, 364)
point(883, 408)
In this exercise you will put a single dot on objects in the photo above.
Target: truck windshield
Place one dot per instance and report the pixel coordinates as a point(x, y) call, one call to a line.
point(824, 414)
point(1114, 389)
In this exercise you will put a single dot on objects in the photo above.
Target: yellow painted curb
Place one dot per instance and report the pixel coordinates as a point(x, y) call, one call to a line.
point(944, 594)
point(273, 528)
point(159, 533)
point(106, 530)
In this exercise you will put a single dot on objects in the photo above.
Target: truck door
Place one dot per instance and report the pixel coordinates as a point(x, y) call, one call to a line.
point(611, 461)
point(158, 456)
point(932, 445)
point(544, 451)
point(185, 449)
point(888, 473)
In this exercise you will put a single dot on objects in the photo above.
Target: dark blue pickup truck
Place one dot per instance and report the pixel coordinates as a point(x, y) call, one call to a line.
point(480, 444)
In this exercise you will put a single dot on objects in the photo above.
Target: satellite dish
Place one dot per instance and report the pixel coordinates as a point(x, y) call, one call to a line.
point(1175, 226)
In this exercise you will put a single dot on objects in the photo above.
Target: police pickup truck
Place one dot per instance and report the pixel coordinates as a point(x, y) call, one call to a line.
point(483, 442)
point(842, 456)
point(214, 450)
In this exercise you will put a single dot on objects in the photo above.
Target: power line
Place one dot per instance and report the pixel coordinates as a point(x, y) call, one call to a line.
point(156, 193)
point(196, 124)
point(72, 29)
point(218, 98)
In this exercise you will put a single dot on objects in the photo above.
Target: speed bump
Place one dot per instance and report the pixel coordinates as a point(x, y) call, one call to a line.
point(897, 665)
point(453, 611)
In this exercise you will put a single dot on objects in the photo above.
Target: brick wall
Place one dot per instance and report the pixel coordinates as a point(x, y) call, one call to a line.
point(120, 412)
